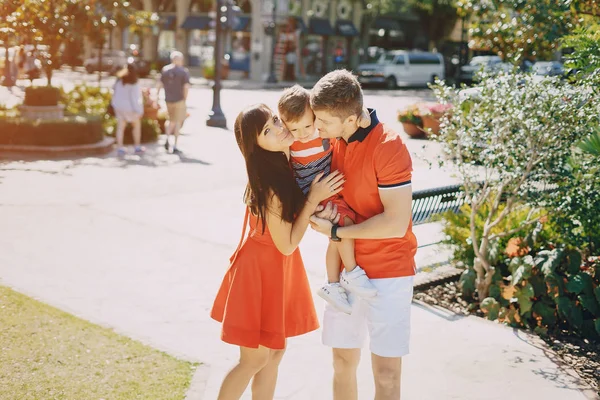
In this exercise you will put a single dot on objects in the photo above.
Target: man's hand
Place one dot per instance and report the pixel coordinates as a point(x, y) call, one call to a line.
point(329, 212)
point(321, 225)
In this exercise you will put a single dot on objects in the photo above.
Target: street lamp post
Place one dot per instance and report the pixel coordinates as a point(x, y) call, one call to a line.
point(216, 118)
point(272, 78)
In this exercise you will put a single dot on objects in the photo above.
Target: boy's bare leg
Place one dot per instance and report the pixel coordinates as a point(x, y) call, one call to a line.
point(333, 263)
point(354, 279)
point(345, 249)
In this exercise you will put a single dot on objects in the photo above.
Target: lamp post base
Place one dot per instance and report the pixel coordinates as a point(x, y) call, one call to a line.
point(216, 119)
point(272, 79)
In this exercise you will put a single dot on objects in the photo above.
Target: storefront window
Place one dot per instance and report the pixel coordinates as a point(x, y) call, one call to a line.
point(312, 55)
point(201, 47)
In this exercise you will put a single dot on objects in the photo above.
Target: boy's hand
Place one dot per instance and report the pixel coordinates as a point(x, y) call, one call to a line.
point(321, 225)
point(328, 212)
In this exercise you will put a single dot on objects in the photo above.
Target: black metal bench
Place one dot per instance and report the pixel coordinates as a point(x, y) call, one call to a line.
point(431, 202)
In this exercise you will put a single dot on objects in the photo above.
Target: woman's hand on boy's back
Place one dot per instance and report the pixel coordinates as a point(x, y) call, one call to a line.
point(323, 187)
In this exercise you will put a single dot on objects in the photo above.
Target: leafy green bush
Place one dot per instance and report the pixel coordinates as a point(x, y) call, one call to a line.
point(42, 96)
point(88, 100)
point(66, 132)
point(536, 284)
point(547, 290)
point(150, 131)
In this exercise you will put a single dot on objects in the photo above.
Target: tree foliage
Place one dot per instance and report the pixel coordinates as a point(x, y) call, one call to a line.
point(438, 17)
point(515, 134)
point(519, 29)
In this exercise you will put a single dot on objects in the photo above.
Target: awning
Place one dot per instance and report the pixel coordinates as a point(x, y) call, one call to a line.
point(387, 24)
point(200, 22)
point(320, 26)
point(300, 24)
point(244, 24)
point(167, 22)
point(346, 28)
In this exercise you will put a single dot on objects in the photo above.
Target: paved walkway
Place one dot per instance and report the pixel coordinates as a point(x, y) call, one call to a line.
point(141, 245)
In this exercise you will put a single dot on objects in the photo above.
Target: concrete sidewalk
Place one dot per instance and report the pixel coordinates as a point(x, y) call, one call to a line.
point(141, 244)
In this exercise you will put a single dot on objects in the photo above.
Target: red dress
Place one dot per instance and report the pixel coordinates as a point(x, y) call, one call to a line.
point(265, 296)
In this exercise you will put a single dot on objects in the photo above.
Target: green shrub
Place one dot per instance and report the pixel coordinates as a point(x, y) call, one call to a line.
point(150, 131)
point(66, 132)
point(42, 96)
point(552, 289)
point(87, 100)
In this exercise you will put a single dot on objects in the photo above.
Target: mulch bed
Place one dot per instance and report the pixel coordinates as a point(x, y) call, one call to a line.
point(581, 355)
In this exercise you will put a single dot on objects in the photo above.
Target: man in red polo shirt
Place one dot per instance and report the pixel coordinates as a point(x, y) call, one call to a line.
point(378, 168)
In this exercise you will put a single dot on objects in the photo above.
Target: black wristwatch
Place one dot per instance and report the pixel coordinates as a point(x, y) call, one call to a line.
point(334, 236)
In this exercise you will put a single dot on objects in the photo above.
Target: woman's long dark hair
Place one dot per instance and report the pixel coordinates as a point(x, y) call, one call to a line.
point(269, 173)
point(131, 76)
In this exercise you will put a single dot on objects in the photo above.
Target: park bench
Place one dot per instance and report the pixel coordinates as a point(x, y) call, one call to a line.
point(428, 203)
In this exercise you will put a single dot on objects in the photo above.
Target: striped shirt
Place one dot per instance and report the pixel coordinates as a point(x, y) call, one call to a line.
point(309, 159)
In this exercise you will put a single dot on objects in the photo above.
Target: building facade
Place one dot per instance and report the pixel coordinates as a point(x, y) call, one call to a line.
point(311, 36)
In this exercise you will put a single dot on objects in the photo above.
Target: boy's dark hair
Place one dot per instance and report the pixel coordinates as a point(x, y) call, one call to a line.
point(293, 103)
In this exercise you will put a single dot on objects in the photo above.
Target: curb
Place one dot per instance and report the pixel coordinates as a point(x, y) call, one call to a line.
point(23, 151)
point(441, 274)
point(198, 384)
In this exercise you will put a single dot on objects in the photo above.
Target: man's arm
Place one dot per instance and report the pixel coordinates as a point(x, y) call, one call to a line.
point(391, 223)
point(186, 89)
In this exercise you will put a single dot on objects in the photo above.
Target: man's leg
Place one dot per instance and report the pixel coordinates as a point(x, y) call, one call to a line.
point(169, 125)
point(386, 372)
point(345, 364)
point(389, 330)
point(176, 129)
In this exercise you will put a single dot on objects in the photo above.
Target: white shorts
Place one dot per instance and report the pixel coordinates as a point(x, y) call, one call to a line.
point(386, 317)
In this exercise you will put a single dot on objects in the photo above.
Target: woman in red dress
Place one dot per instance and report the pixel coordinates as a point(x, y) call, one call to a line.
point(265, 296)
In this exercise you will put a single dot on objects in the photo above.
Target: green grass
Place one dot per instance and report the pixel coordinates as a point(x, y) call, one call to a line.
point(47, 354)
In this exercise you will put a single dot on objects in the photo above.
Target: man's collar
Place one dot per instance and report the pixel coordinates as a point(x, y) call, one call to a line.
point(361, 133)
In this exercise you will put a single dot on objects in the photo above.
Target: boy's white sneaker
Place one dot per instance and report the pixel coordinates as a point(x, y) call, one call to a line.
point(334, 294)
point(357, 282)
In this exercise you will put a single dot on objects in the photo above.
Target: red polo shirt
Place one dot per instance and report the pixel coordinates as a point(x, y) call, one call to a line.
point(374, 159)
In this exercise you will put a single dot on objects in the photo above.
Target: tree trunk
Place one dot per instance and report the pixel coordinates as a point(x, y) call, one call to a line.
point(484, 278)
point(49, 74)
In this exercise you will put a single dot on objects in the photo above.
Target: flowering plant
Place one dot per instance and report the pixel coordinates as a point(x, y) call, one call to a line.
point(435, 110)
point(410, 114)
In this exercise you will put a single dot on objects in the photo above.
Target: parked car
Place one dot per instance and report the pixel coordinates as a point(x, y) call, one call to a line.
point(488, 64)
point(112, 61)
point(402, 68)
point(548, 68)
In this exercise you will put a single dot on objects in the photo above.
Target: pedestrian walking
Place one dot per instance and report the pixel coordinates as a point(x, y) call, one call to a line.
point(128, 106)
point(175, 79)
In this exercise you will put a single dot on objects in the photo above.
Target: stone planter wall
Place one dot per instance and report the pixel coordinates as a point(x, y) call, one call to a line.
point(42, 112)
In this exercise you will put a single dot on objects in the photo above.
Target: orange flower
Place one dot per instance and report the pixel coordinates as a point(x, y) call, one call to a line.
point(516, 248)
point(543, 219)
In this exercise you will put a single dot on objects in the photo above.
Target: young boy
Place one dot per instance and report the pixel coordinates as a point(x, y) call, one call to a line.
point(311, 155)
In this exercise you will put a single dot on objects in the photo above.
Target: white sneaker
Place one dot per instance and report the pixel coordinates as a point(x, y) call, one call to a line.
point(357, 282)
point(335, 295)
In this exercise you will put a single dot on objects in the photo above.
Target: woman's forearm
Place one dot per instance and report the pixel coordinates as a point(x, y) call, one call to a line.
point(301, 223)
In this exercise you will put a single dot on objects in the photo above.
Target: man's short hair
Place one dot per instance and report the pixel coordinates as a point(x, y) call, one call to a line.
point(293, 103)
point(176, 55)
point(339, 94)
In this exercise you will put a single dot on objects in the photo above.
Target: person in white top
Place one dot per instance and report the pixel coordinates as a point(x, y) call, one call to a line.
point(128, 105)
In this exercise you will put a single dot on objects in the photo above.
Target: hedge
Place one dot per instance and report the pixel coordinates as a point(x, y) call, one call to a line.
point(42, 96)
point(69, 131)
